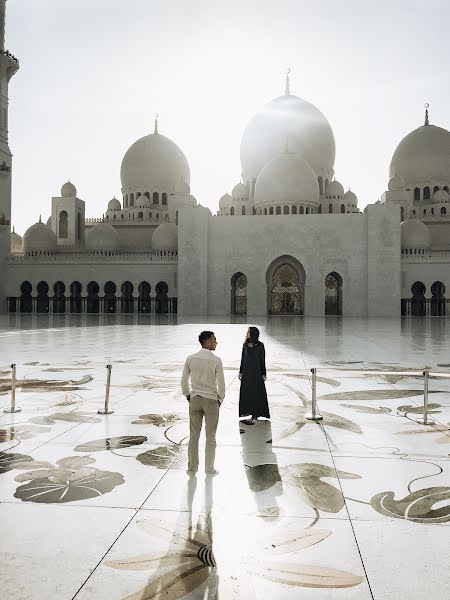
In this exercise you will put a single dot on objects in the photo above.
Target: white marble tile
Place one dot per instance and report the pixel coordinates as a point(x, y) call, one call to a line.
point(49, 552)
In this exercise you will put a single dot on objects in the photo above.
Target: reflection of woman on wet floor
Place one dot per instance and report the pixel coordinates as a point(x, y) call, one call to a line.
point(252, 373)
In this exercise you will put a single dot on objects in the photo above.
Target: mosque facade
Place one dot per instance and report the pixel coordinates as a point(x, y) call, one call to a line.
point(288, 240)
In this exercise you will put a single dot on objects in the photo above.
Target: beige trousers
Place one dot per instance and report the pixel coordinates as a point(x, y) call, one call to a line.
point(200, 407)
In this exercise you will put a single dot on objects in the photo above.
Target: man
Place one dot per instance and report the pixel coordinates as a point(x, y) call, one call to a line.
point(205, 396)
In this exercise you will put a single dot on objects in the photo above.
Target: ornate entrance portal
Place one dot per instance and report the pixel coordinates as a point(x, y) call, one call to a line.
point(239, 294)
point(285, 295)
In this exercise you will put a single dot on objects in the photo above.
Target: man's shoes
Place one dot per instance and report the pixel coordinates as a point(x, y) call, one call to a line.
point(212, 473)
point(191, 473)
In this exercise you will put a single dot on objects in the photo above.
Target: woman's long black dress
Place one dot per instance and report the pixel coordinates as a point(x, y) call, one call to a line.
point(253, 395)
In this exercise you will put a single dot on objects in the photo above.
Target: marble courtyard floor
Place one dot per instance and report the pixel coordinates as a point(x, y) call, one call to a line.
point(100, 507)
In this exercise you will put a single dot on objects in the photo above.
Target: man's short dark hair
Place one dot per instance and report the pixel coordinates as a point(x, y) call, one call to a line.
point(204, 336)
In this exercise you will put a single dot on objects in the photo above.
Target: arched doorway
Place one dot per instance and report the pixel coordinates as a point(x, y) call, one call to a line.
point(75, 297)
point(110, 300)
point(418, 300)
point(333, 294)
point(162, 301)
point(42, 303)
point(285, 287)
point(127, 302)
point(144, 301)
point(59, 300)
point(93, 301)
point(239, 294)
point(26, 300)
point(438, 299)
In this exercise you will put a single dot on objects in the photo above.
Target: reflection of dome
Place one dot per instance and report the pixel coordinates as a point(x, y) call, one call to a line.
point(423, 155)
point(165, 237)
point(151, 162)
point(39, 237)
point(225, 201)
point(239, 192)
point(16, 242)
point(68, 189)
point(440, 196)
point(287, 179)
point(114, 204)
point(335, 190)
point(415, 234)
point(293, 121)
point(396, 183)
point(102, 237)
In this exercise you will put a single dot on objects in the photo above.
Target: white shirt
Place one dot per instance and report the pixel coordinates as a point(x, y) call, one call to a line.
point(206, 373)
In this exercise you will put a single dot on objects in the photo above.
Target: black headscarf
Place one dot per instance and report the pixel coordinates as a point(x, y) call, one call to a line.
point(254, 335)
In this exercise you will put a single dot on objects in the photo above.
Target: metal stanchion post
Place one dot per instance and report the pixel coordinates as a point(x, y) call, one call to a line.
point(314, 415)
point(106, 410)
point(13, 408)
point(424, 420)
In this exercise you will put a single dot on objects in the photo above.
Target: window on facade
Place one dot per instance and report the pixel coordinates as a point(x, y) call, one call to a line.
point(307, 210)
point(63, 229)
point(302, 210)
point(271, 210)
point(416, 194)
point(330, 208)
point(278, 210)
point(232, 211)
point(294, 210)
point(140, 215)
point(443, 210)
point(342, 209)
point(286, 210)
point(164, 198)
point(155, 198)
point(426, 193)
point(243, 210)
point(131, 199)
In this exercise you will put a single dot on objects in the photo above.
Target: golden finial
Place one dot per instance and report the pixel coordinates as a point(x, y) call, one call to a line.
point(427, 122)
point(156, 122)
point(287, 91)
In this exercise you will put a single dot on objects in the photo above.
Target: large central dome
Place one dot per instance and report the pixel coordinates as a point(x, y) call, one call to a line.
point(153, 162)
point(288, 120)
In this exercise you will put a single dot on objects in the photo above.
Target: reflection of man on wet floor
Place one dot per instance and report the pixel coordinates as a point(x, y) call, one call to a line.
point(205, 396)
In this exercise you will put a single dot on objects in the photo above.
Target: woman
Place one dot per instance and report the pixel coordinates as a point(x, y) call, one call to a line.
point(252, 373)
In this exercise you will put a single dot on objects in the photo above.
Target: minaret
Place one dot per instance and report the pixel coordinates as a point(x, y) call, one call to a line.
point(8, 66)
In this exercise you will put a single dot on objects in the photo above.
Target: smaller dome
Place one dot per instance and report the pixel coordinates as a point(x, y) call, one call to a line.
point(440, 196)
point(286, 179)
point(142, 202)
point(182, 187)
point(165, 237)
point(16, 242)
point(102, 237)
point(335, 189)
point(114, 204)
point(49, 222)
point(225, 201)
point(239, 192)
point(68, 189)
point(350, 197)
point(39, 237)
point(415, 234)
point(396, 183)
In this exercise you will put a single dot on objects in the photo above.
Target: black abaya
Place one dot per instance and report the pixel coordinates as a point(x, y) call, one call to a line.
point(253, 395)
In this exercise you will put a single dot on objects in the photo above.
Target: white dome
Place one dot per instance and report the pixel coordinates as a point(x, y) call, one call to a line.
point(350, 197)
point(239, 192)
point(423, 156)
point(335, 190)
point(287, 179)
point(182, 187)
point(288, 120)
point(16, 242)
point(415, 234)
point(226, 201)
point(440, 196)
point(102, 237)
point(114, 204)
point(68, 189)
point(49, 222)
point(142, 202)
point(396, 183)
point(165, 237)
point(151, 162)
point(39, 237)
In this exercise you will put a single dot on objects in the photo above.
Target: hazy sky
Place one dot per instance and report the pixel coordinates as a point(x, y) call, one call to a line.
point(93, 73)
